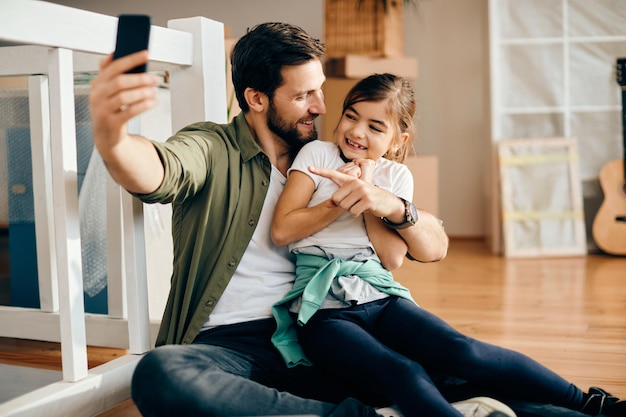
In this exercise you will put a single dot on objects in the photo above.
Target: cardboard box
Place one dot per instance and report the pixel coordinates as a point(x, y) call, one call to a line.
point(360, 66)
point(425, 170)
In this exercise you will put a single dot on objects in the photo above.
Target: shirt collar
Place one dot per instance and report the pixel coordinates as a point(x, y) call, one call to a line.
point(248, 146)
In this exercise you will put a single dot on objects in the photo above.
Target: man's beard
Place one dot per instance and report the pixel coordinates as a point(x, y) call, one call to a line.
point(290, 134)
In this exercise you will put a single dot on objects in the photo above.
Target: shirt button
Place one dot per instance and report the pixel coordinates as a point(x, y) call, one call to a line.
point(231, 263)
point(209, 303)
point(251, 223)
point(265, 182)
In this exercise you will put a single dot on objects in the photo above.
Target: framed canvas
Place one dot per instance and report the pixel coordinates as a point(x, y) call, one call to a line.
point(541, 198)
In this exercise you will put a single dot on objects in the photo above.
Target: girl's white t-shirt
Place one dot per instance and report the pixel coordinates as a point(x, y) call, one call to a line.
point(347, 231)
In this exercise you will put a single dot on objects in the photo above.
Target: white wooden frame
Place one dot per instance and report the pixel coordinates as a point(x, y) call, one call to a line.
point(57, 41)
point(541, 198)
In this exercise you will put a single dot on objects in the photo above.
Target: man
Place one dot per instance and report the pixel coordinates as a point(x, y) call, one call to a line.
point(215, 356)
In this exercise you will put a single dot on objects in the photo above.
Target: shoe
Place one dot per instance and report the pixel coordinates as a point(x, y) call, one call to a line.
point(599, 402)
point(389, 411)
point(616, 409)
point(473, 407)
point(483, 407)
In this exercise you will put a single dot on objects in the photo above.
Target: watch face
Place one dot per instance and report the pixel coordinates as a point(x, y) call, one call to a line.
point(411, 212)
point(410, 217)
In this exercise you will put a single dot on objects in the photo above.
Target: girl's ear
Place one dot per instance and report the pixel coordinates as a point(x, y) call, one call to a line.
point(255, 99)
point(400, 142)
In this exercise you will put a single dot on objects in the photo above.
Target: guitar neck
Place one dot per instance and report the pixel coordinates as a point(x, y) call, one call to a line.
point(620, 73)
point(624, 131)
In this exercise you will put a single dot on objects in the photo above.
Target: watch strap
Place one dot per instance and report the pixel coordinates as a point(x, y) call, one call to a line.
point(410, 214)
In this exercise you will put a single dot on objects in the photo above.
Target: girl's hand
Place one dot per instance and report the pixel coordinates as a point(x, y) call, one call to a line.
point(358, 196)
point(351, 168)
point(367, 167)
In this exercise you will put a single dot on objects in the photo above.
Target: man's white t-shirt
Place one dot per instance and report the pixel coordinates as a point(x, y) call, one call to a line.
point(265, 273)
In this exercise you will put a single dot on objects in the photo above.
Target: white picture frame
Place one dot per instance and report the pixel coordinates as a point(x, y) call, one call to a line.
point(541, 199)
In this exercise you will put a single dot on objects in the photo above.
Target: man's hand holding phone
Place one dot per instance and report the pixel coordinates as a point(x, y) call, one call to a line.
point(118, 93)
point(123, 89)
point(133, 37)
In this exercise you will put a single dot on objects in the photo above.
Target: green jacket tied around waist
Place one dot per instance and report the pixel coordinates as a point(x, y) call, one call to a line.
point(314, 278)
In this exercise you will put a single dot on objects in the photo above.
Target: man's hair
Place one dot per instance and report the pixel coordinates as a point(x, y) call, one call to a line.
point(258, 57)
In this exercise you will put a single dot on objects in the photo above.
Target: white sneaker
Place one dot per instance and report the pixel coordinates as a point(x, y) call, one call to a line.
point(482, 407)
point(389, 411)
point(473, 407)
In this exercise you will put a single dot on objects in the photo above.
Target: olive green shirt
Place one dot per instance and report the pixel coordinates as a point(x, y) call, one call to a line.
point(216, 177)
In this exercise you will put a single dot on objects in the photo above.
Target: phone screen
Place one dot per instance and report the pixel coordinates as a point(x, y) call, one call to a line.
point(133, 35)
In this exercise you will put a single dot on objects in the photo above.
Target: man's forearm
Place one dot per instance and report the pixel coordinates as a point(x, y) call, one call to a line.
point(427, 239)
point(134, 164)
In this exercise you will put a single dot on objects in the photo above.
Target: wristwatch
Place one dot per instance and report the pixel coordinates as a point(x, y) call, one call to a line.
point(410, 215)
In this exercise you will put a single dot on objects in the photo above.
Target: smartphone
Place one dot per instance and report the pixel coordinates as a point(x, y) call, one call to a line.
point(133, 35)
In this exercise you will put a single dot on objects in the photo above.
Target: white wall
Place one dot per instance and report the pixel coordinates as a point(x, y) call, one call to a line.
point(449, 39)
point(238, 14)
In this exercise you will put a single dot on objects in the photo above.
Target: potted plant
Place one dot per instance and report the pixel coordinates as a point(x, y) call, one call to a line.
point(365, 27)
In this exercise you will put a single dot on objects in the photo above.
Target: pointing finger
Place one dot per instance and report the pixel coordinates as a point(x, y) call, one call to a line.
point(335, 176)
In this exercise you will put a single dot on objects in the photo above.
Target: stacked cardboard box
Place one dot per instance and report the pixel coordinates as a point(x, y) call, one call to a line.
point(363, 38)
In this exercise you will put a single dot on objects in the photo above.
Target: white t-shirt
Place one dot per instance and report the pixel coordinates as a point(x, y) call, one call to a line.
point(265, 274)
point(347, 231)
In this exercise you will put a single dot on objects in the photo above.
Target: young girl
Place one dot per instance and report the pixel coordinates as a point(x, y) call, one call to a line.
point(352, 317)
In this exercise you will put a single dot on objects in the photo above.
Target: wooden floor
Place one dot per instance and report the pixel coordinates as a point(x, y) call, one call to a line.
point(568, 313)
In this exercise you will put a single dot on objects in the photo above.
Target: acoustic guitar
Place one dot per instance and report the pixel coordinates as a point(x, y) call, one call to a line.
point(609, 224)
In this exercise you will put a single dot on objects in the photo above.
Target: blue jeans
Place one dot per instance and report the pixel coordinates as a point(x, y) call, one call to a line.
point(235, 371)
